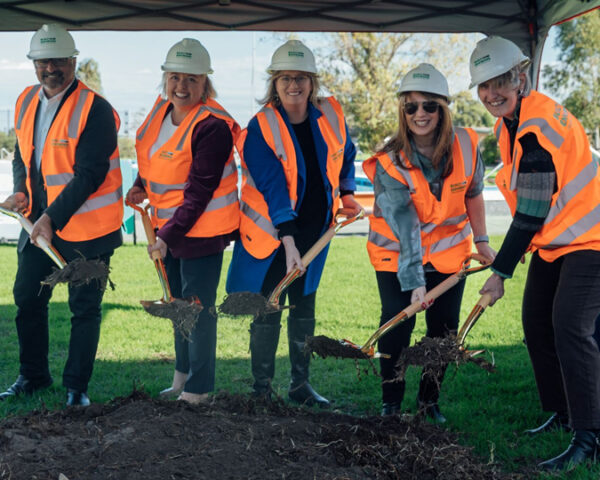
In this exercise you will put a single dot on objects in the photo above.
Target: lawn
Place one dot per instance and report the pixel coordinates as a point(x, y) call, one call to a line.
point(490, 411)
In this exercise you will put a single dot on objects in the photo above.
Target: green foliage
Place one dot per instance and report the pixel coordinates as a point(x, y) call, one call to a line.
point(489, 150)
point(468, 112)
point(488, 410)
point(127, 147)
point(8, 140)
point(364, 70)
point(88, 72)
point(577, 78)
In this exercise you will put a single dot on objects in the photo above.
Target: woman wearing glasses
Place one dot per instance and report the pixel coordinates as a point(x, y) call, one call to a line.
point(298, 160)
point(428, 181)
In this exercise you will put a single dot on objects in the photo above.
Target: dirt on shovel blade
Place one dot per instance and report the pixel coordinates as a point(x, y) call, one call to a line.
point(183, 313)
point(80, 272)
point(230, 437)
point(435, 354)
point(328, 347)
point(246, 303)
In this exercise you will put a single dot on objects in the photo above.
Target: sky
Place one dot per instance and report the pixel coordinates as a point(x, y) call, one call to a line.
point(129, 64)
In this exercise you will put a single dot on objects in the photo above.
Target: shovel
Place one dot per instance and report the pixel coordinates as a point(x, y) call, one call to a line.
point(347, 349)
point(78, 272)
point(183, 313)
point(478, 309)
point(249, 303)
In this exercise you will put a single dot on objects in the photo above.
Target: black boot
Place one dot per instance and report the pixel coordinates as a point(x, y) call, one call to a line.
point(429, 393)
point(300, 390)
point(584, 446)
point(264, 338)
point(558, 421)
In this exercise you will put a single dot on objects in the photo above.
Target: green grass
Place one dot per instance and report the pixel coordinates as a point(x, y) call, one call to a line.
point(489, 411)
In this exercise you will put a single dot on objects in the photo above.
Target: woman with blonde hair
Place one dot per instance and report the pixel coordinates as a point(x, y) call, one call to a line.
point(298, 162)
point(428, 182)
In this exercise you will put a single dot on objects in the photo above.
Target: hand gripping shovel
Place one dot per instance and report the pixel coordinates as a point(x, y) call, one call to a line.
point(324, 346)
point(78, 272)
point(248, 303)
point(183, 313)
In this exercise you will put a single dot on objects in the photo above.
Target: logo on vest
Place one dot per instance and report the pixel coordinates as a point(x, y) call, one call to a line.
point(458, 187)
point(166, 155)
point(337, 155)
point(60, 142)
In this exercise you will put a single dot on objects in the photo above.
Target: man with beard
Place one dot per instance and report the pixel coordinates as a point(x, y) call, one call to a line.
point(67, 181)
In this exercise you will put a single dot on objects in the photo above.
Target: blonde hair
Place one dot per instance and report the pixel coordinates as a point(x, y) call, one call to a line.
point(444, 135)
point(272, 97)
point(209, 90)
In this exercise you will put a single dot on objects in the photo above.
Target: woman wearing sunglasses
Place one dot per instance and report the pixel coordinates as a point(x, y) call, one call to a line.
point(298, 160)
point(551, 183)
point(428, 181)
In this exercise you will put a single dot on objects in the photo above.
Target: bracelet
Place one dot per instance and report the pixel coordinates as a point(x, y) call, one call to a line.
point(481, 238)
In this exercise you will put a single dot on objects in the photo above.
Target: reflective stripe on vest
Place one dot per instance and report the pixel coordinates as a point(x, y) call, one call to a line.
point(153, 113)
point(96, 203)
point(201, 111)
point(576, 229)
point(467, 150)
point(213, 204)
point(383, 242)
point(331, 116)
point(77, 111)
point(26, 102)
point(262, 222)
point(274, 126)
point(448, 242)
point(63, 178)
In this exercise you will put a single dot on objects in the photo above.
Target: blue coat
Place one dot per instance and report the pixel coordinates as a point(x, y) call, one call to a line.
point(247, 273)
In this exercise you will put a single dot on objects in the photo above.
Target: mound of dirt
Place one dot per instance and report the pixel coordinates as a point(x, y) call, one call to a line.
point(232, 437)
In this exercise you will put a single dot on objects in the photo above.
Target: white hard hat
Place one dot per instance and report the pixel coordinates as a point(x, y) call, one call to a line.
point(52, 41)
point(425, 78)
point(493, 56)
point(293, 55)
point(188, 56)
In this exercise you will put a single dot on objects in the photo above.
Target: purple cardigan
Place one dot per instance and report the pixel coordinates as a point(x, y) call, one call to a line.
point(211, 145)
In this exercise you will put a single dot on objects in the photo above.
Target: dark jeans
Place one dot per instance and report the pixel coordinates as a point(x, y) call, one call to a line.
point(304, 305)
point(200, 277)
point(560, 305)
point(32, 321)
point(442, 318)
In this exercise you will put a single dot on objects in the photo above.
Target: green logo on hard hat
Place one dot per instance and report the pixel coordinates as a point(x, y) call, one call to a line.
point(184, 54)
point(48, 40)
point(295, 54)
point(421, 75)
point(481, 60)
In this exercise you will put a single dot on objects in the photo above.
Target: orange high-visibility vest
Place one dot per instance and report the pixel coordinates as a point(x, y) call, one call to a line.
point(165, 174)
point(257, 232)
point(102, 212)
point(573, 222)
point(445, 228)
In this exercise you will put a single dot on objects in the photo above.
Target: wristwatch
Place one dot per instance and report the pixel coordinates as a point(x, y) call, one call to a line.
point(481, 238)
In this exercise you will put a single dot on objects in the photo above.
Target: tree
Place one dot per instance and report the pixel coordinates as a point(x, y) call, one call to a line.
point(489, 150)
point(364, 71)
point(576, 79)
point(8, 140)
point(127, 148)
point(468, 112)
point(88, 72)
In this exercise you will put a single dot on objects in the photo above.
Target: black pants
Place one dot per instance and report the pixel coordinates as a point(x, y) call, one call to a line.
point(197, 356)
point(32, 321)
point(304, 305)
point(560, 305)
point(441, 318)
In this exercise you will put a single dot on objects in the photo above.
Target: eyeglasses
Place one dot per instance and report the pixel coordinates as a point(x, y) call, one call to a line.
point(57, 62)
point(429, 106)
point(286, 80)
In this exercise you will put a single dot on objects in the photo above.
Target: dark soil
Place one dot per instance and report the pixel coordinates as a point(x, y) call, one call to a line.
point(247, 303)
point(435, 354)
point(80, 272)
point(232, 437)
point(328, 347)
point(182, 312)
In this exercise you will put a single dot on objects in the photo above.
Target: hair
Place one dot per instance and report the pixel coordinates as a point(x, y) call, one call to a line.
point(209, 90)
point(272, 97)
point(444, 134)
point(511, 78)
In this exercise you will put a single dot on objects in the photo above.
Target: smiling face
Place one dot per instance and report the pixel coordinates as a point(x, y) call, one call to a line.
point(184, 90)
point(422, 124)
point(293, 88)
point(500, 98)
point(55, 74)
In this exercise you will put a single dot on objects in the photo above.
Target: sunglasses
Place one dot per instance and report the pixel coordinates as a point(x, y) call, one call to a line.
point(429, 106)
point(57, 62)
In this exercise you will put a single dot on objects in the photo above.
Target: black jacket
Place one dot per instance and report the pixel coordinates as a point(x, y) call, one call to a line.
point(92, 154)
